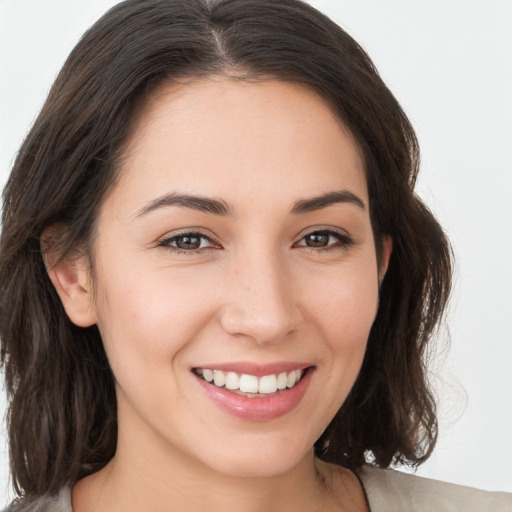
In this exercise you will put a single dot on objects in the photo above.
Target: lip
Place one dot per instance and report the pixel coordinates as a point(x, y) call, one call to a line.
point(261, 408)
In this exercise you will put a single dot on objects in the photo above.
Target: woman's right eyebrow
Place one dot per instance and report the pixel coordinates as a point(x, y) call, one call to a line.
point(200, 203)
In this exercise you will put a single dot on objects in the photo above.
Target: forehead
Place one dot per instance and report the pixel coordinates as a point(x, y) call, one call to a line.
point(221, 136)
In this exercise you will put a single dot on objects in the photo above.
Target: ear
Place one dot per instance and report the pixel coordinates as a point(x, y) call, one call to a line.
point(385, 255)
point(72, 280)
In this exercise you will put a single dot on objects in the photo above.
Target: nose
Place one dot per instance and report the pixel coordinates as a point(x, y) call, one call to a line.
point(260, 300)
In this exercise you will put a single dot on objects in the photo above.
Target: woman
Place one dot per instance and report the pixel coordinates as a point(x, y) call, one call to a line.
point(217, 283)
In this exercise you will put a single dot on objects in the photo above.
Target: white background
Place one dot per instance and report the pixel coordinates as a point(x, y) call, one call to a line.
point(449, 63)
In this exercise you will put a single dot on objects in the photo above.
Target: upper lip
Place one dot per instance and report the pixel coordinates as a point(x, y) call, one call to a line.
point(256, 369)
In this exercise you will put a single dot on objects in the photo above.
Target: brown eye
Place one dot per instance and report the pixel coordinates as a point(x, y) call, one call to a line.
point(190, 242)
point(317, 239)
point(187, 242)
point(325, 239)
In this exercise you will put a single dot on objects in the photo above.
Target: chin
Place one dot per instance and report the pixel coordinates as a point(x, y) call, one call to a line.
point(262, 458)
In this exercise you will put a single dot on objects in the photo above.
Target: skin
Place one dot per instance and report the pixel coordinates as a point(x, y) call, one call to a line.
point(253, 291)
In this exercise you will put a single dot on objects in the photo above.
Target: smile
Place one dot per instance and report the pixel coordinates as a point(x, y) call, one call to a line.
point(252, 392)
point(250, 385)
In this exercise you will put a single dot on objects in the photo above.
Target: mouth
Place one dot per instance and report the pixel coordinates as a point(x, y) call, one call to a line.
point(255, 392)
point(252, 386)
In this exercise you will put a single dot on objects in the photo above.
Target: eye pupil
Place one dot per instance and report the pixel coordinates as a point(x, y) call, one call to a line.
point(317, 240)
point(188, 242)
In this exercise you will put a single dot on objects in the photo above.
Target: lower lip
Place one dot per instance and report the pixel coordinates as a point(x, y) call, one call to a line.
point(258, 408)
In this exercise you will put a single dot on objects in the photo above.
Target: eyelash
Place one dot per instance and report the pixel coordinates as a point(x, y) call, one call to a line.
point(343, 241)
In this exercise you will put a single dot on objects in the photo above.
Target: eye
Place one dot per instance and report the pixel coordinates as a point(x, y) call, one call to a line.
point(188, 242)
point(324, 239)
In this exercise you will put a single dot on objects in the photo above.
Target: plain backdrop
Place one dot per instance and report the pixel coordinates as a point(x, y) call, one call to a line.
point(449, 63)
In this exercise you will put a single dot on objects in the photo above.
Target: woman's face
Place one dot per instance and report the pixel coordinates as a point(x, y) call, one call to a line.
point(237, 246)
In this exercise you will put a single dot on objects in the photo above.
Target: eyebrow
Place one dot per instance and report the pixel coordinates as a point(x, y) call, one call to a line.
point(220, 207)
point(202, 204)
point(316, 203)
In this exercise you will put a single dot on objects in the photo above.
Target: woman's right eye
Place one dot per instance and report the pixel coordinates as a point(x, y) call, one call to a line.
point(187, 242)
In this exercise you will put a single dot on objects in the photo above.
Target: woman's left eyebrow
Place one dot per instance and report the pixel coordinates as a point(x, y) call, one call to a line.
point(324, 200)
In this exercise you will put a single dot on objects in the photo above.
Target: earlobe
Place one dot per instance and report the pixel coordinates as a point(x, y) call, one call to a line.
point(72, 281)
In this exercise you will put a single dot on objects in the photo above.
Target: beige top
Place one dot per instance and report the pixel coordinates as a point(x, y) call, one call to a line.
point(387, 491)
point(393, 491)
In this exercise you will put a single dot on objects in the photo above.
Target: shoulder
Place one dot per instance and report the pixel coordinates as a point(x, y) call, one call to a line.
point(388, 490)
point(59, 503)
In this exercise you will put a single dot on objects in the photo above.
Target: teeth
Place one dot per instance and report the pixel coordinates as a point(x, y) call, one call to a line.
point(268, 384)
point(293, 378)
point(208, 375)
point(248, 383)
point(265, 385)
point(282, 379)
point(219, 378)
point(232, 380)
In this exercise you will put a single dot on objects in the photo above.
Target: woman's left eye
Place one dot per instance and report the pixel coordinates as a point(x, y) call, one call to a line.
point(324, 239)
point(187, 242)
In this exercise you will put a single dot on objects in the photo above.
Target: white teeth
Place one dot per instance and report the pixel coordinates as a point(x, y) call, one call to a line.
point(208, 375)
point(248, 383)
point(219, 378)
point(265, 385)
point(232, 380)
point(293, 378)
point(268, 384)
point(282, 379)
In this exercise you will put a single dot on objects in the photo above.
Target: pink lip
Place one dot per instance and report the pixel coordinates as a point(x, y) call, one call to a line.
point(257, 409)
point(257, 369)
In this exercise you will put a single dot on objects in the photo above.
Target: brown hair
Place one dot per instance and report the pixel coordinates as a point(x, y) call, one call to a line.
point(62, 413)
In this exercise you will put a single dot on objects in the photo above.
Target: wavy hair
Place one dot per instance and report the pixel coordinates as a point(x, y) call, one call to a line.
point(62, 404)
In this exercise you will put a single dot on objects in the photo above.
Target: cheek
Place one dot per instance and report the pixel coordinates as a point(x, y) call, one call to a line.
point(150, 317)
point(342, 310)
point(345, 304)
